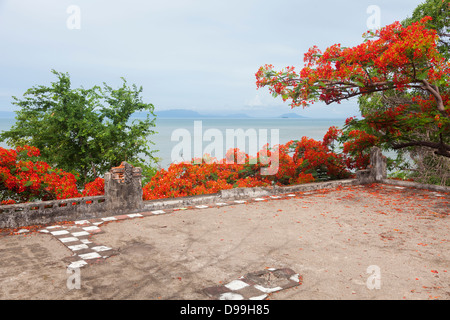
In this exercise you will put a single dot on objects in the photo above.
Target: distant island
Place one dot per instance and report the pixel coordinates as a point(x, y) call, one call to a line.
point(189, 114)
point(292, 115)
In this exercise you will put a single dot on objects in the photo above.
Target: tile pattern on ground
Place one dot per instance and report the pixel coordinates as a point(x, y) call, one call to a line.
point(77, 237)
point(255, 285)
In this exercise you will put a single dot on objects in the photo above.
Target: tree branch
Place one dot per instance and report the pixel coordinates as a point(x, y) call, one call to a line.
point(434, 90)
point(441, 148)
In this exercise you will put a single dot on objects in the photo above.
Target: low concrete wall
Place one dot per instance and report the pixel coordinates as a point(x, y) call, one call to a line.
point(410, 184)
point(123, 184)
point(123, 194)
point(376, 173)
point(45, 212)
point(317, 186)
point(242, 193)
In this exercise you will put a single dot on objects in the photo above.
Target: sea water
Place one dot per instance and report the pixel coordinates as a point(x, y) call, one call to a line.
point(164, 141)
point(287, 129)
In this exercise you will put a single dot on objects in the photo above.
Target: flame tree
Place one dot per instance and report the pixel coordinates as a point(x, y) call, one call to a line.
point(396, 59)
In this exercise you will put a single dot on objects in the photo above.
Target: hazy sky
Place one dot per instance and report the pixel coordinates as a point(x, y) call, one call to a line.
point(197, 55)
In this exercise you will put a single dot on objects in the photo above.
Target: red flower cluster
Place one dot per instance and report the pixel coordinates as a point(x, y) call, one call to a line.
point(398, 58)
point(301, 161)
point(357, 149)
point(94, 188)
point(24, 178)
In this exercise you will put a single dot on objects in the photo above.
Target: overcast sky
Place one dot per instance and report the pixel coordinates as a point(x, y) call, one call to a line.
point(197, 55)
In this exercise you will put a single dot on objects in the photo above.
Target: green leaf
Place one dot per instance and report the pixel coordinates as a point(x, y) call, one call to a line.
point(28, 183)
point(422, 75)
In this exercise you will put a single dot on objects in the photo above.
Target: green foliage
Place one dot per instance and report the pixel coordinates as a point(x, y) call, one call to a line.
point(84, 131)
point(430, 168)
point(399, 174)
point(401, 160)
point(418, 128)
point(439, 10)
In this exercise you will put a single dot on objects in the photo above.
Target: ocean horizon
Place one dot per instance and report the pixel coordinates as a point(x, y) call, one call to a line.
point(277, 131)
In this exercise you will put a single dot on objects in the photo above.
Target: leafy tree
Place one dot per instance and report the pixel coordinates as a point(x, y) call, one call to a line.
point(420, 162)
point(84, 131)
point(394, 59)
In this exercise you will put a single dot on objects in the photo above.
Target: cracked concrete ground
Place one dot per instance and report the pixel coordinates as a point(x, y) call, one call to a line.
point(336, 240)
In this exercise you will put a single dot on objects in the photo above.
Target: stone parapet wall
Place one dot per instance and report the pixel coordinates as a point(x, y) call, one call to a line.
point(44, 212)
point(376, 172)
point(123, 195)
point(410, 184)
point(242, 193)
point(123, 189)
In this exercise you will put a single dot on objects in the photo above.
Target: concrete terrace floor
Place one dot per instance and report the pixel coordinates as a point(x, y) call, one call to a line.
point(329, 237)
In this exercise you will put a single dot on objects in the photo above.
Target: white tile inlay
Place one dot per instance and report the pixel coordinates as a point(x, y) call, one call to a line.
point(295, 277)
point(91, 255)
point(58, 233)
point(91, 228)
point(54, 227)
point(68, 239)
point(82, 222)
point(100, 248)
point(80, 234)
point(109, 219)
point(267, 290)
point(134, 215)
point(77, 264)
point(259, 297)
point(78, 247)
point(231, 296)
point(236, 285)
